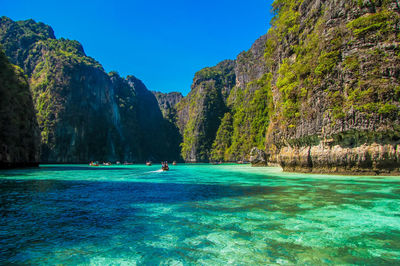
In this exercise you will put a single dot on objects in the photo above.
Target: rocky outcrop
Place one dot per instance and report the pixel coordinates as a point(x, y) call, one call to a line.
point(366, 159)
point(19, 132)
point(85, 114)
point(258, 157)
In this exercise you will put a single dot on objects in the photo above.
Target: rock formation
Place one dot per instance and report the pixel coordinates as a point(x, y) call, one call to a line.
point(319, 92)
point(201, 111)
point(19, 132)
point(167, 103)
point(84, 114)
point(258, 157)
point(335, 86)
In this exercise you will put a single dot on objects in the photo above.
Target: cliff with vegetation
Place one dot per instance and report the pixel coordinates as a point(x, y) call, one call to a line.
point(201, 111)
point(84, 113)
point(167, 103)
point(19, 132)
point(335, 86)
point(319, 92)
point(232, 115)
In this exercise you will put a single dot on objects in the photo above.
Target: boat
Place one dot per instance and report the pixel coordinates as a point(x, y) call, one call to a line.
point(174, 163)
point(94, 164)
point(148, 163)
point(164, 166)
point(106, 164)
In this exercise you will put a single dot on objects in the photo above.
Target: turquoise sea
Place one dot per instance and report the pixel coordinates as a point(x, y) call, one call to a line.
point(196, 215)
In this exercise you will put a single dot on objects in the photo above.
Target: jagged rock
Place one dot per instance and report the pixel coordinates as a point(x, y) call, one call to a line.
point(258, 157)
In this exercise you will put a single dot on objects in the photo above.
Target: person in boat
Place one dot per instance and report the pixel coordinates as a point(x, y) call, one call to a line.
point(164, 166)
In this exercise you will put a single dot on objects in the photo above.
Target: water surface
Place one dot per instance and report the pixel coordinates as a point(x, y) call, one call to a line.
point(196, 214)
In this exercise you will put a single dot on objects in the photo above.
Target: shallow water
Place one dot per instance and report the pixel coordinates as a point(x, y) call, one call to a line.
point(196, 214)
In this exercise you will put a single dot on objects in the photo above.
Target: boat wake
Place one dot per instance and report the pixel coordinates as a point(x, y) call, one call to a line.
point(157, 171)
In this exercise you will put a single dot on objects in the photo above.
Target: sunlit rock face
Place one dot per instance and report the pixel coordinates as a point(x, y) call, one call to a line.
point(319, 92)
point(335, 87)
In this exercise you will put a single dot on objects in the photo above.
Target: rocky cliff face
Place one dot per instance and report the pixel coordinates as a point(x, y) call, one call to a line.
point(319, 92)
point(200, 113)
point(244, 125)
point(84, 113)
point(335, 86)
point(167, 103)
point(19, 132)
point(241, 115)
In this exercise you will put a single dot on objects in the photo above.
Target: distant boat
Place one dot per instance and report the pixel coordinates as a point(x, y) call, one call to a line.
point(164, 166)
point(118, 163)
point(106, 164)
point(174, 163)
point(126, 163)
point(94, 164)
point(240, 162)
point(148, 163)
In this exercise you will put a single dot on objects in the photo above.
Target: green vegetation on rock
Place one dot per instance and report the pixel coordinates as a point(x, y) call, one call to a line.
point(19, 133)
point(85, 114)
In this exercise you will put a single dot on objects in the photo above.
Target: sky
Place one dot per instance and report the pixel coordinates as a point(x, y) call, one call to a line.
point(163, 43)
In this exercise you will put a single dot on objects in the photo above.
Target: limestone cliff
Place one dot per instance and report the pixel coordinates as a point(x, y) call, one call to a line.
point(244, 125)
point(84, 113)
point(201, 111)
point(319, 92)
point(167, 103)
point(335, 86)
point(19, 132)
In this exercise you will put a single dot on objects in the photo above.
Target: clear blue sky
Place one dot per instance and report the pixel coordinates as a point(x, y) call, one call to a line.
point(163, 43)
